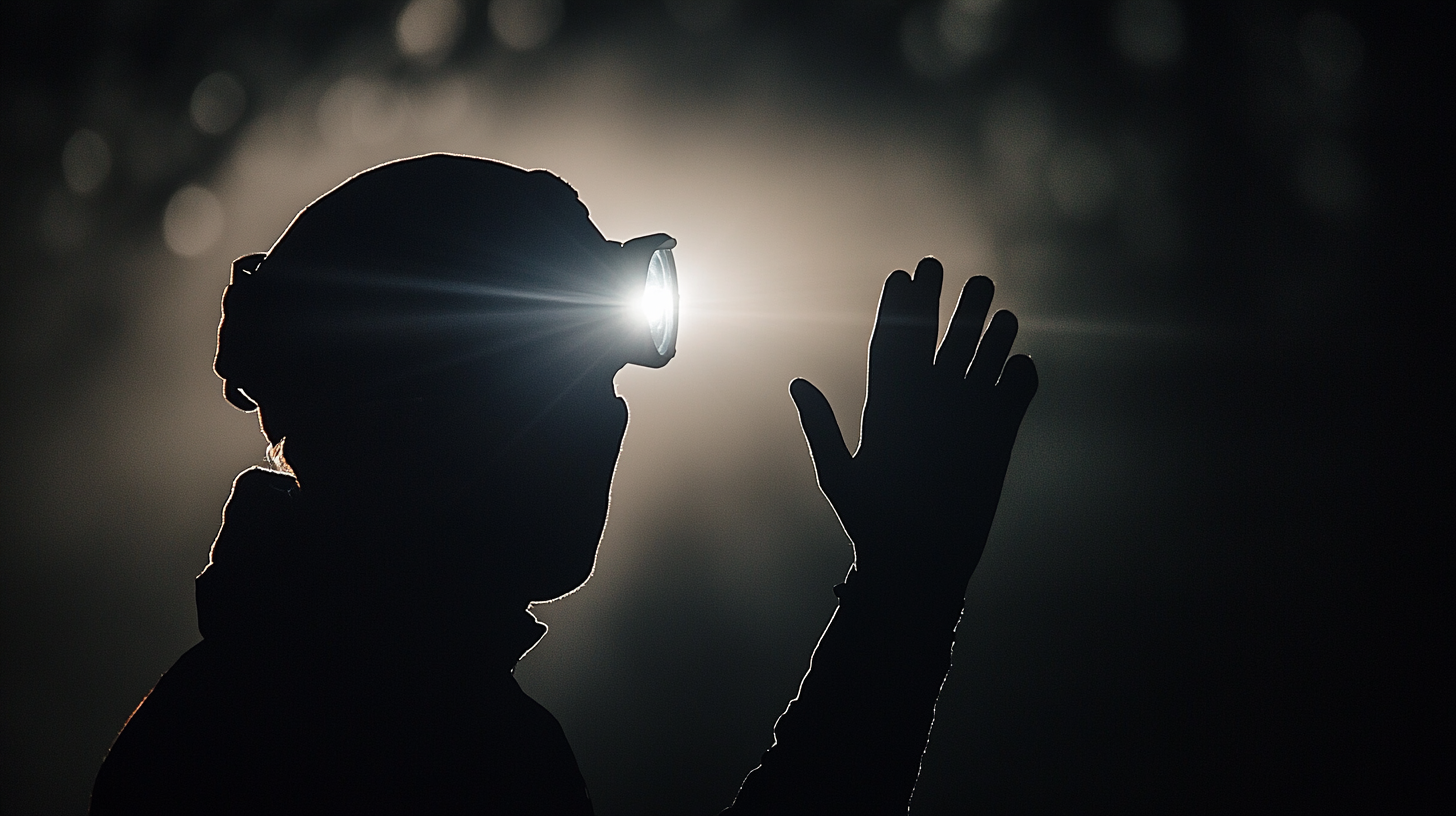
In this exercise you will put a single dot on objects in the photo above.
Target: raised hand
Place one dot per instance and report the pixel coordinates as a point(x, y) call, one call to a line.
point(918, 496)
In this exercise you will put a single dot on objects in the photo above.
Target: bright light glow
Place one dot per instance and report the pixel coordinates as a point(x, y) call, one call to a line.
point(654, 303)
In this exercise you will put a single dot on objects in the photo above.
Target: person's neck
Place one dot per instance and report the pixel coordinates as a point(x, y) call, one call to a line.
point(360, 488)
point(402, 543)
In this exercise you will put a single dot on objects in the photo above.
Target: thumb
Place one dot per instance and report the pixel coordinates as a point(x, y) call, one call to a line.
point(826, 441)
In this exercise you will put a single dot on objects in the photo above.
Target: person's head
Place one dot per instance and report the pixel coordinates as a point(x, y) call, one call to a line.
point(435, 339)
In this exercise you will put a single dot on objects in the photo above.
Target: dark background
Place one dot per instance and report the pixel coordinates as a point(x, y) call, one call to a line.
point(1219, 580)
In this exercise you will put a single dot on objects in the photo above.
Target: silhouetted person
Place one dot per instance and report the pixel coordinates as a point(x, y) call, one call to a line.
point(435, 340)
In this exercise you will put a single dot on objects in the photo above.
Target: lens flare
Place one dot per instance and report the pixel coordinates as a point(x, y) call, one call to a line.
point(659, 301)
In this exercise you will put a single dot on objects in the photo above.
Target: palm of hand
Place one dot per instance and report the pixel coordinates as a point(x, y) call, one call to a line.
point(918, 496)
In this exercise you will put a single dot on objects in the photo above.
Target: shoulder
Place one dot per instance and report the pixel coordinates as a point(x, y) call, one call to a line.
point(164, 755)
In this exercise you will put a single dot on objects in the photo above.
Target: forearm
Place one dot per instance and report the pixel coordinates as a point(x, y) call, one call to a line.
point(852, 740)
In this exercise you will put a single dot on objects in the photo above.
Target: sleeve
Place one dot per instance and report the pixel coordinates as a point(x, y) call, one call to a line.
point(852, 740)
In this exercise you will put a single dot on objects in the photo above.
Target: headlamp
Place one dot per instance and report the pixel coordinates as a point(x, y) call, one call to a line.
point(651, 300)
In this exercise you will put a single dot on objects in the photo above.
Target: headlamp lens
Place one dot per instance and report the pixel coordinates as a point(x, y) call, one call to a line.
point(659, 301)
